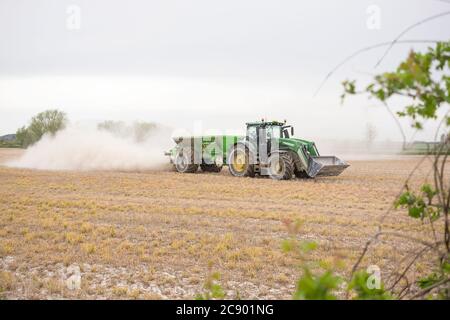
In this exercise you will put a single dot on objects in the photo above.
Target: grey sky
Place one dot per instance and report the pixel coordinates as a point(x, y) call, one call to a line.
point(219, 62)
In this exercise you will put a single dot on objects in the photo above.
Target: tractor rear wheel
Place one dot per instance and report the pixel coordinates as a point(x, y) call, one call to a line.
point(281, 166)
point(210, 168)
point(184, 163)
point(239, 162)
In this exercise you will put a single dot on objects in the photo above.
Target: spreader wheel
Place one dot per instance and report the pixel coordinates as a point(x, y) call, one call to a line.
point(184, 162)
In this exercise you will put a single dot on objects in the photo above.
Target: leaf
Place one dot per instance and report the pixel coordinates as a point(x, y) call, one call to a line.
point(415, 212)
point(429, 280)
point(307, 246)
point(359, 286)
point(428, 191)
point(321, 287)
point(217, 291)
point(405, 199)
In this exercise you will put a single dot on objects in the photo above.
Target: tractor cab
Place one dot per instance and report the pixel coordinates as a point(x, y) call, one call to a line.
point(257, 131)
point(264, 139)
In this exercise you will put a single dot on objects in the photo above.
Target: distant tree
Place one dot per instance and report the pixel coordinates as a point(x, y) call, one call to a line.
point(46, 122)
point(21, 136)
point(143, 129)
point(116, 127)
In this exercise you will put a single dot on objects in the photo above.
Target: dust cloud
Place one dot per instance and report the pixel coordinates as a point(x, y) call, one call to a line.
point(79, 148)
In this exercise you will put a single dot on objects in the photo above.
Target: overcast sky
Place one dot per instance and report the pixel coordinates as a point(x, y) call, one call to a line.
point(212, 63)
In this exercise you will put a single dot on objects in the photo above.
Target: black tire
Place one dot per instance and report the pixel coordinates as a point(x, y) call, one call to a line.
point(281, 166)
point(243, 168)
point(210, 168)
point(302, 174)
point(183, 162)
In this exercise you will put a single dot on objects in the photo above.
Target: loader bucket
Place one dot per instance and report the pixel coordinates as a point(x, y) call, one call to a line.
point(325, 166)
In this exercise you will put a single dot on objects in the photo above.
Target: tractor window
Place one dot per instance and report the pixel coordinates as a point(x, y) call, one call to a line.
point(251, 134)
point(273, 132)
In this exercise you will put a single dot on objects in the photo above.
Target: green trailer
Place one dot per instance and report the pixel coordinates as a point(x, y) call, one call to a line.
point(268, 149)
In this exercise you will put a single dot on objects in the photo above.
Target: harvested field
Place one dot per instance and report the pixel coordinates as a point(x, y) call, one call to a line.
point(156, 235)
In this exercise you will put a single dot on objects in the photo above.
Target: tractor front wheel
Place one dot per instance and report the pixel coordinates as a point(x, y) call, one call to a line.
point(281, 166)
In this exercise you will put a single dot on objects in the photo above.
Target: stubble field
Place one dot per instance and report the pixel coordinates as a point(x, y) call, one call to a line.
point(159, 234)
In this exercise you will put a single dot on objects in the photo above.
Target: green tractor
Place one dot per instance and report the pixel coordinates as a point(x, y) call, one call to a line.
point(268, 149)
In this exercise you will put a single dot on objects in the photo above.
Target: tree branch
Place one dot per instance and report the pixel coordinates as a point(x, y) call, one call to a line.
point(408, 29)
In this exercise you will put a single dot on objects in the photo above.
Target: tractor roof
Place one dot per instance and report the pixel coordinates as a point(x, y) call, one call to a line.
point(266, 123)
